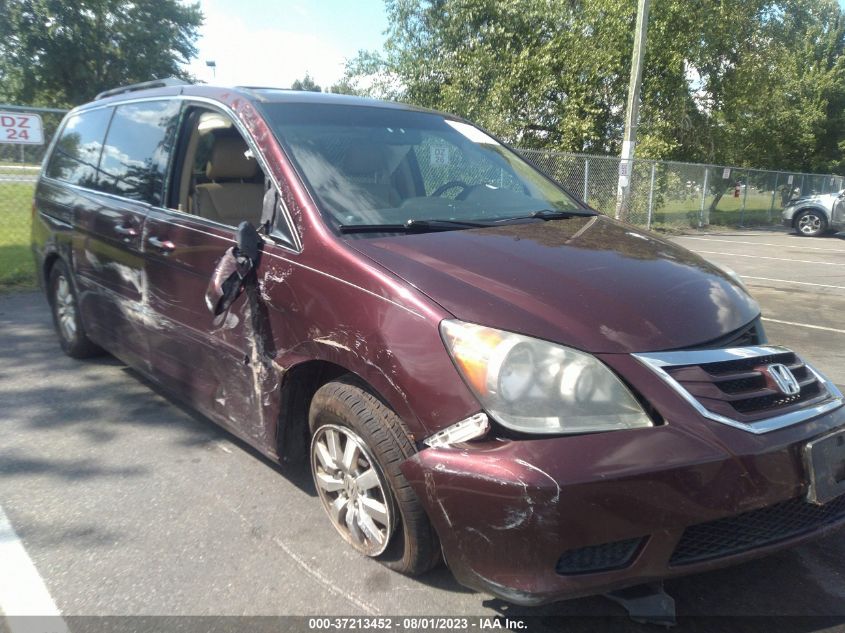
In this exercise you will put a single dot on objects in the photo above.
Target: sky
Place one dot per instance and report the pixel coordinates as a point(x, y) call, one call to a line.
point(274, 42)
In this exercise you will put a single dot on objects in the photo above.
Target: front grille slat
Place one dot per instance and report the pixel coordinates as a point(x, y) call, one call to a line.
point(740, 375)
point(762, 405)
point(712, 392)
point(758, 528)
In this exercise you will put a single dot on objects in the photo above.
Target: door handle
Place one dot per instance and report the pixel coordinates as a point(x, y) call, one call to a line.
point(125, 231)
point(164, 246)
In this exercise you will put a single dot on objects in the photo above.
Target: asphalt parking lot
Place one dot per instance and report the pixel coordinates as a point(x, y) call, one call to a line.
point(128, 504)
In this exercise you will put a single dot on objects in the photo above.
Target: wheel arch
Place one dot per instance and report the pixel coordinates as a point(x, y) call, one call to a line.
point(809, 207)
point(299, 384)
point(50, 260)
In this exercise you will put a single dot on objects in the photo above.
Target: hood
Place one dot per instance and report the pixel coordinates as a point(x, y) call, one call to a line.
point(587, 282)
point(817, 197)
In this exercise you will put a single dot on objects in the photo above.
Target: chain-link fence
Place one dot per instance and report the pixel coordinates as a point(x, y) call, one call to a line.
point(670, 194)
point(656, 194)
point(19, 166)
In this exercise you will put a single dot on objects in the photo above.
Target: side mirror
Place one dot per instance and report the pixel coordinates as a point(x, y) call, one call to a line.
point(248, 241)
point(227, 280)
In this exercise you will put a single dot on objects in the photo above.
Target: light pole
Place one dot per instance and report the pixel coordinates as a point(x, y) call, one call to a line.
point(213, 65)
point(632, 113)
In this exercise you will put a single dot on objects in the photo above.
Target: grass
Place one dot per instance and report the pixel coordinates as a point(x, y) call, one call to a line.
point(17, 269)
point(729, 212)
point(682, 212)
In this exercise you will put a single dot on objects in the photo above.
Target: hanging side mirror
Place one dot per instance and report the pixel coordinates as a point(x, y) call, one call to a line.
point(248, 241)
point(227, 280)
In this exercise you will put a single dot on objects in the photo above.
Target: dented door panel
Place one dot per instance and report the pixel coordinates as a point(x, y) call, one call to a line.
point(222, 365)
point(110, 271)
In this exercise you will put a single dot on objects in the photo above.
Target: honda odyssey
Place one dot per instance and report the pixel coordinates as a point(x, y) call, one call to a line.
point(477, 366)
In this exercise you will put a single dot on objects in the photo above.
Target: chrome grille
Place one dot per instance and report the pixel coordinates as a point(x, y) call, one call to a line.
point(731, 385)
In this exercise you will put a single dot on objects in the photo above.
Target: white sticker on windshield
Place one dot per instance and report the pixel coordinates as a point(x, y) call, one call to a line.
point(439, 155)
point(472, 133)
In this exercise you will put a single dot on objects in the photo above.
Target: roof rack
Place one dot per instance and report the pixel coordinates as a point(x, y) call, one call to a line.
point(144, 85)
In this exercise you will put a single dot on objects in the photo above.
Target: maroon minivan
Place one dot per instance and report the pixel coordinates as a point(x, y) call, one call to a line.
point(477, 365)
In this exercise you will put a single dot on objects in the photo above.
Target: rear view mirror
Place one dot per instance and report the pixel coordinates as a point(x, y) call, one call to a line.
point(227, 281)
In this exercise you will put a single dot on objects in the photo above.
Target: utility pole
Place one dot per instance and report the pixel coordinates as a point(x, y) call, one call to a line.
point(632, 113)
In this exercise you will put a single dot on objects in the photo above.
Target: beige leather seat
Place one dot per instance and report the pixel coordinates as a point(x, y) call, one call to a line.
point(229, 198)
point(367, 167)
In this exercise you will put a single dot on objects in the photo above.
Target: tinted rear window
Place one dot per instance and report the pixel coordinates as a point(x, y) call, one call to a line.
point(137, 150)
point(77, 151)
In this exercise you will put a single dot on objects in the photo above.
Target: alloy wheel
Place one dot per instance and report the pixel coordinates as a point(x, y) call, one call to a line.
point(352, 489)
point(809, 224)
point(65, 308)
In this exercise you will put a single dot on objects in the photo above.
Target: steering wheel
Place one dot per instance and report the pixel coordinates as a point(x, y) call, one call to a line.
point(451, 185)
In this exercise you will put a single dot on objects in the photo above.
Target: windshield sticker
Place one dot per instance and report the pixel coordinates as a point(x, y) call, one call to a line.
point(439, 155)
point(472, 133)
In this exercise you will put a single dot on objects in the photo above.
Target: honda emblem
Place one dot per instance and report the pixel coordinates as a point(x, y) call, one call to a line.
point(783, 379)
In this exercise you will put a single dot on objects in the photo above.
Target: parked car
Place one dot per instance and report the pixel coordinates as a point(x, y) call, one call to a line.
point(475, 364)
point(817, 214)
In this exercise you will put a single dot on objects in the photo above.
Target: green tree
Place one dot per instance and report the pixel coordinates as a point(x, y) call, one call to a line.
point(744, 82)
point(307, 83)
point(58, 53)
point(768, 88)
point(344, 87)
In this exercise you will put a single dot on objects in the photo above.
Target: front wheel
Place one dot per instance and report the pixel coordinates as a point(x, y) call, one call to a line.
point(357, 446)
point(811, 223)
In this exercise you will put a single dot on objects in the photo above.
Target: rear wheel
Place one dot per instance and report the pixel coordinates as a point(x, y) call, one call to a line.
point(811, 223)
point(66, 318)
point(357, 446)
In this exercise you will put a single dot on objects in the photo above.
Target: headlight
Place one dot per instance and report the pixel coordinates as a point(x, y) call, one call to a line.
point(533, 386)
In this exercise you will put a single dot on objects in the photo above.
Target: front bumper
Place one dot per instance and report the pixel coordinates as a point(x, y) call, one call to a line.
point(509, 513)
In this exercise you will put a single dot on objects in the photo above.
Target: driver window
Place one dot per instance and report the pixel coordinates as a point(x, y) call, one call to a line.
point(220, 178)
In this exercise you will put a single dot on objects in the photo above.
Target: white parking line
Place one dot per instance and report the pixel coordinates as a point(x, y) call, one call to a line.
point(22, 591)
point(808, 248)
point(780, 259)
point(789, 281)
point(807, 325)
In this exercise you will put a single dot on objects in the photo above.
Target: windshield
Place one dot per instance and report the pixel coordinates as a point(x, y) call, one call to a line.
point(384, 166)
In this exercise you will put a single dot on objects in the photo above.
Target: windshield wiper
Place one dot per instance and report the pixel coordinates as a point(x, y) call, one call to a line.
point(412, 226)
point(551, 214)
point(444, 224)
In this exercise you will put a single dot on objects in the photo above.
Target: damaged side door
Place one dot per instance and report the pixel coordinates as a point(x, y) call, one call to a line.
point(219, 360)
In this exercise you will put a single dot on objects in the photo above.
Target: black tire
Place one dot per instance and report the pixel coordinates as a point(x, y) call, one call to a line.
point(413, 547)
point(811, 223)
point(66, 317)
